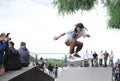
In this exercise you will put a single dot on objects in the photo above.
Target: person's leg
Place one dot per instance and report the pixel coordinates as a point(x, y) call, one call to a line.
point(72, 46)
point(105, 62)
point(92, 62)
point(89, 61)
point(95, 62)
point(2, 70)
point(101, 62)
point(111, 62)
point(79, 46)
point(71, 43)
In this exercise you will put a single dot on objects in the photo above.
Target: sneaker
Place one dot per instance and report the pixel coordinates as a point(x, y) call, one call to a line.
point(76, 55)
point(71, 57)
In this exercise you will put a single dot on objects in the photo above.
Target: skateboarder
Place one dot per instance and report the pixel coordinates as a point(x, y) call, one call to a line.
point(71, 40)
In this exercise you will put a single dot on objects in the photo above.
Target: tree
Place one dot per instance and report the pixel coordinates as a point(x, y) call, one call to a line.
point(72, 6)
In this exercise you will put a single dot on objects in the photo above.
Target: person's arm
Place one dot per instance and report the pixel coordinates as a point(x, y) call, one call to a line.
point(87, 35)
point(3, 46)
point(57, 37)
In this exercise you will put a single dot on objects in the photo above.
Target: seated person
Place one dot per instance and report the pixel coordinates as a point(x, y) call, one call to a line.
point(24, 54)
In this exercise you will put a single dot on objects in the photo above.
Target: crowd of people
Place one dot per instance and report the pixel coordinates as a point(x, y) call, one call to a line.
point(14, 59)
point(50, 69)
point(102, 59)
point(95, 59)
point(10, 57)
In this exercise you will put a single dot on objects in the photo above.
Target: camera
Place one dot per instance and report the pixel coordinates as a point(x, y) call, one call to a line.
point(8, 35)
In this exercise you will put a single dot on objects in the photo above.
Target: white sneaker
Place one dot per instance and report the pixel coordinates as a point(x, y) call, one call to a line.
point(71, 57)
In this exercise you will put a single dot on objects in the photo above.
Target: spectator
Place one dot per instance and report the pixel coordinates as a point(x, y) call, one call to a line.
point(56, 71)
point(95, 59)
point(50, 69)
point(111, 55)
point(91, 55)
point(41, 64)
point(86, 64)
point(24, 54)
point(3, 47)
point(100, 57)
point(90, 59)
point(106, 54)
point(12, 58)
point(86, 55)
point(116, 71)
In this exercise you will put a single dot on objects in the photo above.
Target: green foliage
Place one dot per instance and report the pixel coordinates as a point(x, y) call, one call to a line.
point(72, 6)
point(52, 61)
point(32, 59)
point(113, 7)
point(59, 62)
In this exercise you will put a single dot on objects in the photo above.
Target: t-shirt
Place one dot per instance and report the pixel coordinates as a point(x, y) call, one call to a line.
point(106, 55)
point(75, 35)
point(111, 56)
point(100, 55)
point(41, 64)
point(85, 56)
point(95, 56)
point(90, 56)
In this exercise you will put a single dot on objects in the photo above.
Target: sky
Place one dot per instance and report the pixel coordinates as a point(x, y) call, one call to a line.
point(36, 22)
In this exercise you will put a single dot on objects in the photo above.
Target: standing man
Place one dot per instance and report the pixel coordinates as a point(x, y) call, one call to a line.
point(100, 57)
point(56, 71)
point(90, 59)
point(106, 54)
point(111, 55)
point(71, 40)
point(3, 47)
point(95, 59)
point(86, 60)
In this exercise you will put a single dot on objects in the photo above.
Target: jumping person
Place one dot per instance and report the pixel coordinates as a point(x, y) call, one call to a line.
point(71, 40)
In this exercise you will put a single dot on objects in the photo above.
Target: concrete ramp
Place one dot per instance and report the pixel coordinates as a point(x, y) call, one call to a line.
point(86, 74)
point(10, 74)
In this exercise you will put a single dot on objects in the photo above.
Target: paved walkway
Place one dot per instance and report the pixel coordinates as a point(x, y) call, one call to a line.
point(10, 74)
point(86, 74)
